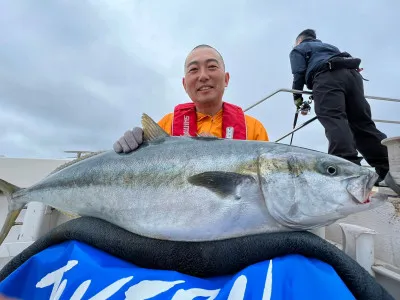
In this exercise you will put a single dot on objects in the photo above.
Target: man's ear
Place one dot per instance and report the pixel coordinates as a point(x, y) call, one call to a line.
point(227, 77)
point(184, 83)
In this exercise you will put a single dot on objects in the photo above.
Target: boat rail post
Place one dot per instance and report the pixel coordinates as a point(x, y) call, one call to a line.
point(393, 146)
point(359, 243)
point(36, 222)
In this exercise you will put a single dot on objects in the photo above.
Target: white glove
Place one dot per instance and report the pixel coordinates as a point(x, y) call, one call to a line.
point(130, 141)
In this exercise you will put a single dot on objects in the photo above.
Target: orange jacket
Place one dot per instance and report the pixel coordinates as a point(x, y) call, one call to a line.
point(213, 125)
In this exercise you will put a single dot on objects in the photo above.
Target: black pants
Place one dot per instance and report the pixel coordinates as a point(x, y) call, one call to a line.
point(344, 112)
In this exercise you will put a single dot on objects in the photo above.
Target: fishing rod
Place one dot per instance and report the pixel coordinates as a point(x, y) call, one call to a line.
point(305, 109)
point(296, 115)
point(294, 130)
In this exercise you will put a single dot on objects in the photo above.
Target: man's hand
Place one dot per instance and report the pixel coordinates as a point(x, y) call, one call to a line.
point(298, 102)
point(130, 141)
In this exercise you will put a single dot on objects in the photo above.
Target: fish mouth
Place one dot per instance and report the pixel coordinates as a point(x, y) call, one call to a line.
point(361, 191)
point(374, 200)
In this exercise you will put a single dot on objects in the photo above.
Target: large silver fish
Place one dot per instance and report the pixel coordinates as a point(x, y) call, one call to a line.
point(202, 188)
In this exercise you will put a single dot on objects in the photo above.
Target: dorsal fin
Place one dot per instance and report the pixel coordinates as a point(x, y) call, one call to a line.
point(151, 130)
point(67, 164)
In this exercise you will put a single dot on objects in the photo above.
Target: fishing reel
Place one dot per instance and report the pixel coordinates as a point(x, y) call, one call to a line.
point(305, 107)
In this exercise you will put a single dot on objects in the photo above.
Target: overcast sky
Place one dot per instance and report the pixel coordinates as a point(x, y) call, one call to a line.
point(74, 75)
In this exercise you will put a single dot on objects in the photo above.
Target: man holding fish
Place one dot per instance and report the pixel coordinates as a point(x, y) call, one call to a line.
point(205, 81)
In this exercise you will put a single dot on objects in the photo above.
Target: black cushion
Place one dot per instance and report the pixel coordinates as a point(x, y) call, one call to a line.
point(204, 259)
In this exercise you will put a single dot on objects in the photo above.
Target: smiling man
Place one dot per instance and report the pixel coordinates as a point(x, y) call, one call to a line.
point(205, 81)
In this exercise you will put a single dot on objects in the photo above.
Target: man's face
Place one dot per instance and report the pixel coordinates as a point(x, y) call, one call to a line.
point(205, 77)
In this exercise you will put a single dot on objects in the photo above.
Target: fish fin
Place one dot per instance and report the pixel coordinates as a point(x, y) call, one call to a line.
point(222, 183)
point(8, 189)
point(205, 138)
point(151, 130)
point(69, 214)
point(9, 223)
point(69, 163)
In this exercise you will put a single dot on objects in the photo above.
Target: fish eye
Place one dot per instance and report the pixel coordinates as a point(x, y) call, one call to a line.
point(331, 170)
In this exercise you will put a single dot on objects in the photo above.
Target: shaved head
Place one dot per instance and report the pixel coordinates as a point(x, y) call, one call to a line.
point(205, 46)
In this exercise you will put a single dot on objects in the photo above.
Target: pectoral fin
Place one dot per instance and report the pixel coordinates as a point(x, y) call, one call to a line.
point(224, 184)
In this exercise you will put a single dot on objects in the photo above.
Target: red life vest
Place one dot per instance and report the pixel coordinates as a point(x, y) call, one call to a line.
point(233, 121)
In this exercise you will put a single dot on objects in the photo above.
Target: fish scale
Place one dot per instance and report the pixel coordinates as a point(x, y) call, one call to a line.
point(203, 188)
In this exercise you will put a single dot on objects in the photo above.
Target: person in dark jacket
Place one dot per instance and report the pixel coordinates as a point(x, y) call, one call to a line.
point(340, 105)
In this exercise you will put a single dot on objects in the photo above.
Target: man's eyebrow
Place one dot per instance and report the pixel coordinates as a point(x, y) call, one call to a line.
point(195, 62)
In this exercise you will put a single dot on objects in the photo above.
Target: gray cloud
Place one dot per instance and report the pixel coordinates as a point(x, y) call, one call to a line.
point(76, 75)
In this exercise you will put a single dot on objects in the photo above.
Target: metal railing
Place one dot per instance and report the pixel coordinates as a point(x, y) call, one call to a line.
point(310, 93)
point(314, 118)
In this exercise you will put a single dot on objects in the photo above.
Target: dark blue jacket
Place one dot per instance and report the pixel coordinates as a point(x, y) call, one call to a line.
point(306, 58)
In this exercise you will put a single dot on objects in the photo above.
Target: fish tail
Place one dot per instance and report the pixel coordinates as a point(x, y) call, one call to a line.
point(14, 208)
